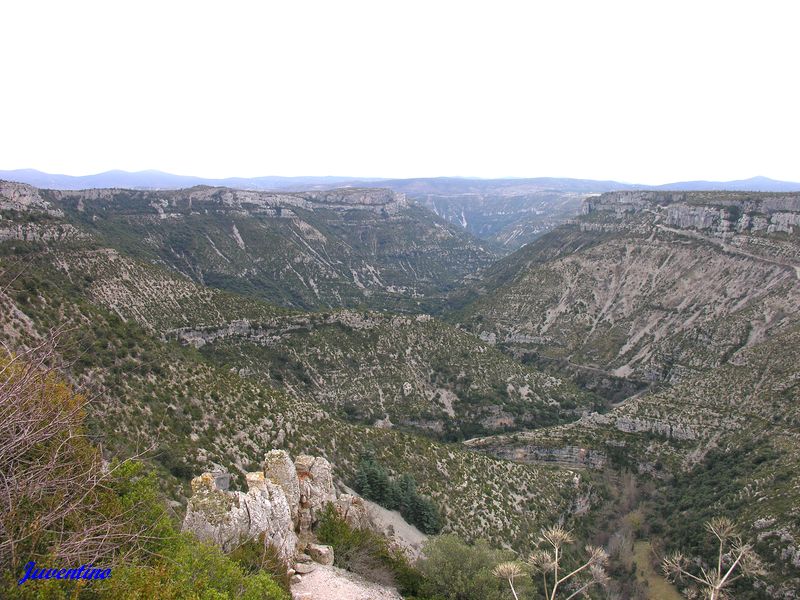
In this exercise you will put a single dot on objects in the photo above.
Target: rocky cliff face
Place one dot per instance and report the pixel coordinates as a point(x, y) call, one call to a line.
point(508, 220)
point(175, 203)
point(20, 197)
point(716, 212)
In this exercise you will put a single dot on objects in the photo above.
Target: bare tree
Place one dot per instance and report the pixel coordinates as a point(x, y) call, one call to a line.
point(55, 489)
point(733, 556)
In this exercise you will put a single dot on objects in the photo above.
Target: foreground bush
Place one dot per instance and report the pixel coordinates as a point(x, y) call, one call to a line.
point(455, 570)
point(192, 570)
point(62, 507)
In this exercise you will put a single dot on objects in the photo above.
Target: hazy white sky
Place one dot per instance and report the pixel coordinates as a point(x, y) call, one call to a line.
point(645, 91)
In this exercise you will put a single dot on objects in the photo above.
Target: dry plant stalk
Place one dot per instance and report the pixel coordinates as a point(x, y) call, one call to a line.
point(547, 559)
point(733, 555)
point(509, 571)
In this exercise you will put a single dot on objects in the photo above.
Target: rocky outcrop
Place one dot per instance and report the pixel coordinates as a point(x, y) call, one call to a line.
point(34, 232)
point(284, 502)
point(316, 489)
point(228, 519)
point(272, 331)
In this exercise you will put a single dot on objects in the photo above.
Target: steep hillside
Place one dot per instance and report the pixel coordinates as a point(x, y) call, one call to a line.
point(649, 285)
point(411, 372)
point(187, 413)
point(698, 292)
point(347, 247)
point(367, 367)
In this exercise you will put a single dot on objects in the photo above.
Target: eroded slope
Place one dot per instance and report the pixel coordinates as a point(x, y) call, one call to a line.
point(649, 285)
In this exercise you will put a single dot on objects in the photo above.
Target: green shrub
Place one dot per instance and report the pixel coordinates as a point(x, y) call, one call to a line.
point(254, 556)
point(368, 554)
point(455, 570)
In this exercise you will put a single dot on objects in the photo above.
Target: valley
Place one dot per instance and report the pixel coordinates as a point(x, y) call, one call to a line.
point(515, 352)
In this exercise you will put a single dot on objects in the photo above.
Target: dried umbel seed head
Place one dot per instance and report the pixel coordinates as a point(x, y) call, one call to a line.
point(542, 560)
point(597, 556)
point(721, 527)
point(557, 536)
point(673, 565)
point(508, 570)
point(599, 575)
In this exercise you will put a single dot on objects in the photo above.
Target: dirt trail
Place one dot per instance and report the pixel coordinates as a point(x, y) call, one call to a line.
point(332, 583)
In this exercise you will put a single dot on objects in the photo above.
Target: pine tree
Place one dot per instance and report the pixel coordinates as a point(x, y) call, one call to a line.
point(361, 483)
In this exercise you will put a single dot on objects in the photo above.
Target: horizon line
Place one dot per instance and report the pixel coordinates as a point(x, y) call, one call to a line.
point(385, 178)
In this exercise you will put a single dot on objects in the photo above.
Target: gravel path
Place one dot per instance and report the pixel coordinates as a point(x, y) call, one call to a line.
point(332, 583)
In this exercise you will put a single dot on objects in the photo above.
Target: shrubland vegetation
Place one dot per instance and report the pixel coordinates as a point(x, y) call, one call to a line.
point(154, 393)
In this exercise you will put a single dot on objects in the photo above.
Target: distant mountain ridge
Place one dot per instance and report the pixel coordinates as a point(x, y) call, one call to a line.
point(754, 184)
point(152, 179)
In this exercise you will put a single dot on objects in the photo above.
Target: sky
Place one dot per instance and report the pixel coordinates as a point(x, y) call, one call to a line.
point(643, 91)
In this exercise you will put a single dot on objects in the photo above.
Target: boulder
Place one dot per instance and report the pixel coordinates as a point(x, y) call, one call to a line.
point(316, 489)
point(304, 568)
point(353, 510)
point(321, 554)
